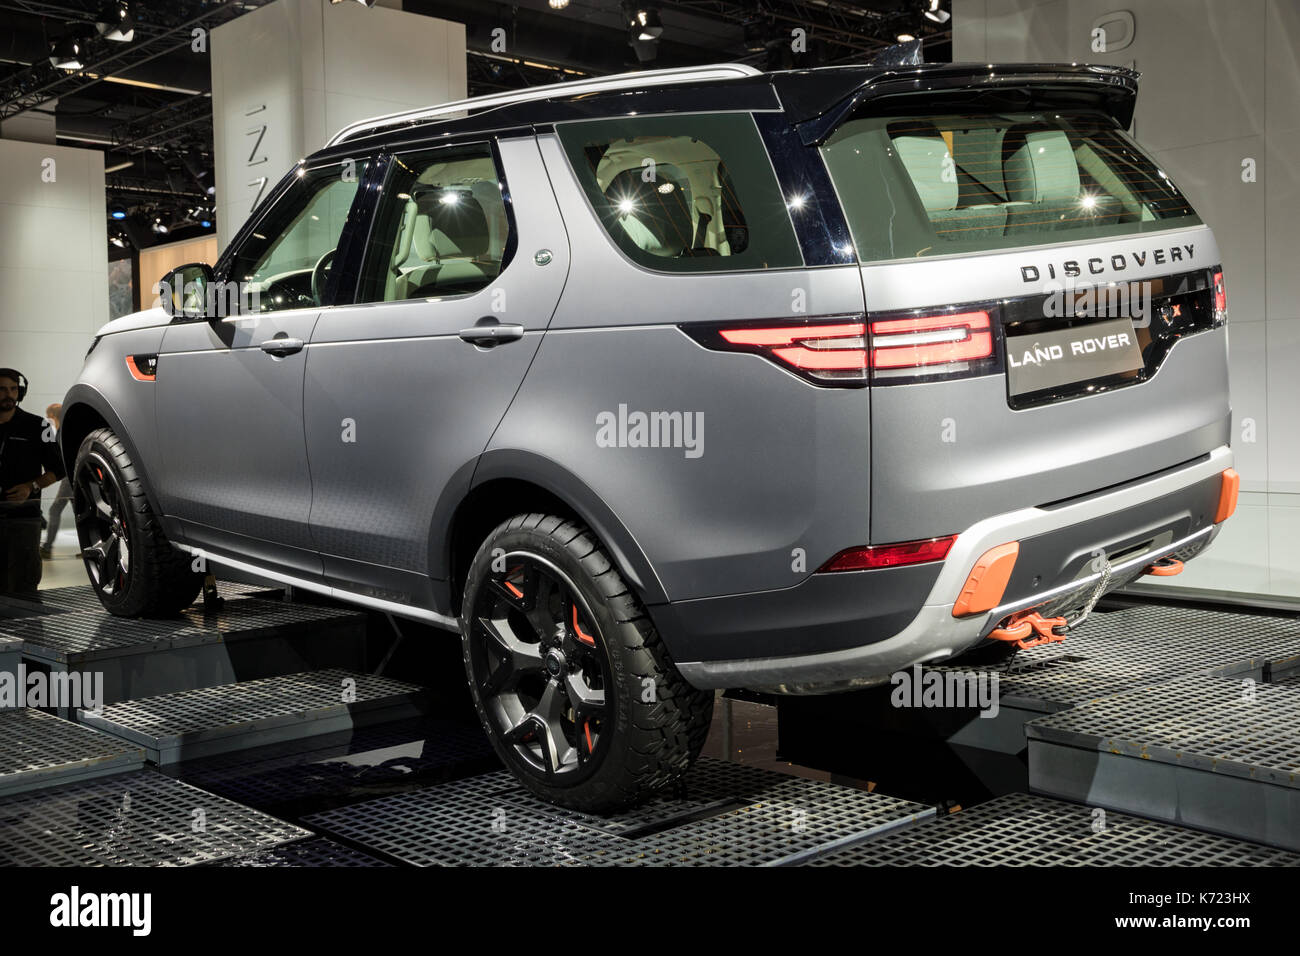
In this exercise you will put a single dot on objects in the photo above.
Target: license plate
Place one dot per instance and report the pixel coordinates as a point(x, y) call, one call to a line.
point(1067, 356)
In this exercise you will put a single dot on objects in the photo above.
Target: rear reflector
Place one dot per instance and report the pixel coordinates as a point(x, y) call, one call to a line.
point(889, 555)
point(1220, 298)
point(988, 580)
point(1228, 495)
point(930, 340)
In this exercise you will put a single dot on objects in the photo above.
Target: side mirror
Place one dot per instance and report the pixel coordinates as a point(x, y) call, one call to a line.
point(188, 291)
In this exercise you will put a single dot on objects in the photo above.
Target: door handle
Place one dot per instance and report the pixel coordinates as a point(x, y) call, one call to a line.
point(281, 345)
point(489, 333)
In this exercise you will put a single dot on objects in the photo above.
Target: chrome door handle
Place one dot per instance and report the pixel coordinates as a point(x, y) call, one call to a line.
point(281, 346)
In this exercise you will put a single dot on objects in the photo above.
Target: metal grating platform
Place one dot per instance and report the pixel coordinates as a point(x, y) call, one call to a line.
point(314, 852)
point(1028, 830)
point(38, 750)
point(1118, 650)
point(85, 636)
point(195, 723)
point(1213, 752)
point(730, 814)
point(369, 760)
point(136, 819)
point(82, 597)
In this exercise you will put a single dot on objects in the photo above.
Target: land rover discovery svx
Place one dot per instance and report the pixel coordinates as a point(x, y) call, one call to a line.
point(662, 383)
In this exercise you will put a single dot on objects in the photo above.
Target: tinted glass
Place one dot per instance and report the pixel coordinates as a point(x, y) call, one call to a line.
point(442, 228)
point(277, 261)
point(691, 193)
point(937, 185)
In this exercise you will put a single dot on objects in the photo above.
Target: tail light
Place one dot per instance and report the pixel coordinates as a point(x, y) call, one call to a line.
point(1220, 299)
point(917, 342)
point(845, 350)
point(889, 555)
point(827, 352)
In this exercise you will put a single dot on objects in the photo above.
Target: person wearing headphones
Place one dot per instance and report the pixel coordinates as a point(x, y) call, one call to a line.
point(29, 461)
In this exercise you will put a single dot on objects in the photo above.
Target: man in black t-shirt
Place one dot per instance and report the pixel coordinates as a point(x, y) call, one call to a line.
point(29, 461)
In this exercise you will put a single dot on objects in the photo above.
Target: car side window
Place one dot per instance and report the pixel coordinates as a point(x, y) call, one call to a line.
point(442, 227)
point(284, 263)
point(686, 193)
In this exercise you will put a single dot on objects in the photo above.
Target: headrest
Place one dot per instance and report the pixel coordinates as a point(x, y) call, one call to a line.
point(666, 216)
point(924, 154)
point(449, 222)
point(1039, 165)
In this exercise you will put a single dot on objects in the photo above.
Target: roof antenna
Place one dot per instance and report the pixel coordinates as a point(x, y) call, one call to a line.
point(900, 54)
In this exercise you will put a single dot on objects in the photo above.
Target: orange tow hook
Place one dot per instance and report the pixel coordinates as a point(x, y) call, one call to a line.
point(1164, 568)
point(1049, 630)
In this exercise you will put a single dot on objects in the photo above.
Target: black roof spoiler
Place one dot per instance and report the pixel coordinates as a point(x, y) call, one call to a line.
point(818, 101)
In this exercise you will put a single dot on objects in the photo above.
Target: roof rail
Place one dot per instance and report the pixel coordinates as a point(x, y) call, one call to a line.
point(600, 84)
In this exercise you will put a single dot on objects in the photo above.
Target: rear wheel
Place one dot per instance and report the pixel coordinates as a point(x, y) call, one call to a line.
point(131, 565)
point(570, 679)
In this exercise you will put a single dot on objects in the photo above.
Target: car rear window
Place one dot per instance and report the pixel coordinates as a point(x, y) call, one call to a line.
point(944, 184)
point(684, 193)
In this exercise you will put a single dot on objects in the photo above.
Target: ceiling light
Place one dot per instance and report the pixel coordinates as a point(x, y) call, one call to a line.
point(756, 35)
point(905, 38)
point(558, 4)
point(114, 22)
point(937, 15)
point(117, 211)
point(67, 53)
point(648, 24)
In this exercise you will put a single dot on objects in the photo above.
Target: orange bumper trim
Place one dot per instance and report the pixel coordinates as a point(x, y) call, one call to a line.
point(987, 580)
point(1228, 495)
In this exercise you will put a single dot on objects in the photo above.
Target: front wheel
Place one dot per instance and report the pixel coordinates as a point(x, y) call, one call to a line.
point(570, 679)
point(131, 565)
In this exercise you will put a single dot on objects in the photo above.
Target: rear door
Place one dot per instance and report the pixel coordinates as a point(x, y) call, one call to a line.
point(229, 408)
point(465, 263)
point(1042, 306)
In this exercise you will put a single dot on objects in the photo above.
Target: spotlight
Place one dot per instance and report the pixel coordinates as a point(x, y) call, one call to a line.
point(558, 4)
point(905, 38)
point(159, 226)
point(114, 22)
point(937, 15)
point(756, 34)
point(117, 240)
point(646, 24)
point(67, 53)
point(117, 211)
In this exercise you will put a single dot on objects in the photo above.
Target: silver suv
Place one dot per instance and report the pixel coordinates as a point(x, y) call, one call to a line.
point(676, 381)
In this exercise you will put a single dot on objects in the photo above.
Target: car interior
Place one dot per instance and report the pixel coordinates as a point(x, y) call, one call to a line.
point(669, 196)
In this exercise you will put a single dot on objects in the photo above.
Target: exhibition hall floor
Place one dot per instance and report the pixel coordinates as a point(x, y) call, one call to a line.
point(1155, 735)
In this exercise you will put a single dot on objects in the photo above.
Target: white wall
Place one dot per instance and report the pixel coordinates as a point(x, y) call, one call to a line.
point(1220, 84)
point(288, 76)
point(54, 266)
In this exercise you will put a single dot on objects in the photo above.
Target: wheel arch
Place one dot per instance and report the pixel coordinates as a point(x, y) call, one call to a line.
point(84, 410)
point(507, 483)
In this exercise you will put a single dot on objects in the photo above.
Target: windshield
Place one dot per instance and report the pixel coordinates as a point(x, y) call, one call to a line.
point(943, 184)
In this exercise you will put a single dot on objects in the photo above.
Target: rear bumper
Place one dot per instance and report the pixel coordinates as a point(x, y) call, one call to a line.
point(1170, 513)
